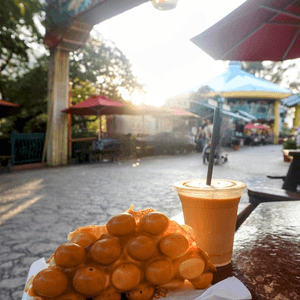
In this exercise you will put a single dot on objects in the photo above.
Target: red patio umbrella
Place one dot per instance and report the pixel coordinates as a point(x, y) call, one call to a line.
point(253, 126)
point(145, 109)
point(8, 108)
point(177, 111)
point(257, 30)
point(261, 126)
point(99, 105)
point(250, 126)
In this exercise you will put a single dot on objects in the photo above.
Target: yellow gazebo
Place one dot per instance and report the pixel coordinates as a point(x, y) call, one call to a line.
point(245, 92)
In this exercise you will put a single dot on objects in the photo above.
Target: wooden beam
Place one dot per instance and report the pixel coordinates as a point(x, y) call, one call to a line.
point(107, 9)
point(81, 26)
point(72, 42)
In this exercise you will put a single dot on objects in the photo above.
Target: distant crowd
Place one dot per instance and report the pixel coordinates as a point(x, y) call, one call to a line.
point(252, 137)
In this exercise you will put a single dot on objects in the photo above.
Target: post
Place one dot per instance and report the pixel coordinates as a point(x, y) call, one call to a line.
point(296, 119)
point(276, 120)
point(70, 122)
point(56, 143)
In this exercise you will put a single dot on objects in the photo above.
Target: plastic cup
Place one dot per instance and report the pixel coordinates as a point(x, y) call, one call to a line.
point(212, 212)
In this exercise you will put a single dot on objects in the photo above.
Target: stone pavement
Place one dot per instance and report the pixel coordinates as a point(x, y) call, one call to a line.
point(38, 208)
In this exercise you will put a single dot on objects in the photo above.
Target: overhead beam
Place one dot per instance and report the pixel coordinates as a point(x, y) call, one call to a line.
point(108, 9)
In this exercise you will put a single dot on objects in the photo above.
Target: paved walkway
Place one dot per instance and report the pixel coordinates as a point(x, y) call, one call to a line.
point(38, 208)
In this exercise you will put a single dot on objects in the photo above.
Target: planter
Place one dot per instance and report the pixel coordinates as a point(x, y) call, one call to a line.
point(286, 157)
point(236, 144)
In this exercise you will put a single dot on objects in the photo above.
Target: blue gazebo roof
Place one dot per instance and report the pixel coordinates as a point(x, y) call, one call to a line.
point(291, 101)
point(236, 80)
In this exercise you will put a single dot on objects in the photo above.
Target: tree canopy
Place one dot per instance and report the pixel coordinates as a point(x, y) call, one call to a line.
point(99, 67)
point(280, 73)
point(29, 90)
point(19, 30)
point(101, 63)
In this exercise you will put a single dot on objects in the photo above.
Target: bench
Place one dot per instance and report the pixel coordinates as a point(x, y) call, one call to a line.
point(259, 194)
point(103, 147)
point(5, 163)
point(289, 190)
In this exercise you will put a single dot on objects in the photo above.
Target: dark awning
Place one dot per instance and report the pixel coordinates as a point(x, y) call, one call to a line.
point(241, 112)
point(225, 112)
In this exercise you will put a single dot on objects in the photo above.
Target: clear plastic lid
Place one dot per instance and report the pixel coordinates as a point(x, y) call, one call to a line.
point(222, 187)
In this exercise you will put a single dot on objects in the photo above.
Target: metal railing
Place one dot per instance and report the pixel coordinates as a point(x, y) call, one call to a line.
point(27, 147)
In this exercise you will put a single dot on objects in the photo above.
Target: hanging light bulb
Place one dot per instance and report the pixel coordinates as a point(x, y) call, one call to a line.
point(164, 4)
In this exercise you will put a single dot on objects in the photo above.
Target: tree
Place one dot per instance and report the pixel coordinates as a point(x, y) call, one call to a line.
point(79, 92)
point(102, 64)
point(280, 73)
point(30, 91)
point(19, 31)
point(99, 67)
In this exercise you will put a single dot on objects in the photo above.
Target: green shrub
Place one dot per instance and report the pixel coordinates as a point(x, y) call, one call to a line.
point(289, 144)
point(236, 142)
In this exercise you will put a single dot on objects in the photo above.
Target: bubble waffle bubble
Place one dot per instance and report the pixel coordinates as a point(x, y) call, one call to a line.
point(140, 254)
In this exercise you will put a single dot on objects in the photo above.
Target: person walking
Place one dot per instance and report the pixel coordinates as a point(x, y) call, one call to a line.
point(208, 131)
point(200, 139)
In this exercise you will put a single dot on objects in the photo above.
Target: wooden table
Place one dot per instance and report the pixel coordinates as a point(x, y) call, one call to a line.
point(266, 253)
point(259, 194)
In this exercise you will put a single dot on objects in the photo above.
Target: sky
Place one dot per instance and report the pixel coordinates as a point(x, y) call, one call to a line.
point(158, 45)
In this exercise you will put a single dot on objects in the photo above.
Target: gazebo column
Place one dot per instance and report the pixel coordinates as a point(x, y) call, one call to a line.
point(297, 112)
point(276, 120)
point(58, 97)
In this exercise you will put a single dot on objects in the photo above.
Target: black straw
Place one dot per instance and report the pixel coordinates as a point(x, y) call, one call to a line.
point(214, 144)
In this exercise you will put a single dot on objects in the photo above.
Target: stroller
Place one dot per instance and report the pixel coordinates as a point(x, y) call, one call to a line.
point(219, 156)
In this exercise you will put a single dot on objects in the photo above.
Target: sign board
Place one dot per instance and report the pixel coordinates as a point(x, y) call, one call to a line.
point(76, 7)
point(59, 14)
point(213, 102)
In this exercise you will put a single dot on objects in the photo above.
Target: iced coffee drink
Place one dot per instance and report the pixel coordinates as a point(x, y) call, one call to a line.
point(212, 212)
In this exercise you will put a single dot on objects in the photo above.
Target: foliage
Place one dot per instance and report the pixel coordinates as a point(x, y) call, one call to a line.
point(289, 144)
point(30, 91)
point(19, 31)
point(80, 91)
point(235, 142)
point(199, 96)
point(279, 73)
point(101, 63)
point(285, 130)
point(99, 67)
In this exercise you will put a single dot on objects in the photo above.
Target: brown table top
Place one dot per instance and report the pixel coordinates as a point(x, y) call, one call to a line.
point(294, 152)
point(266, 254)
